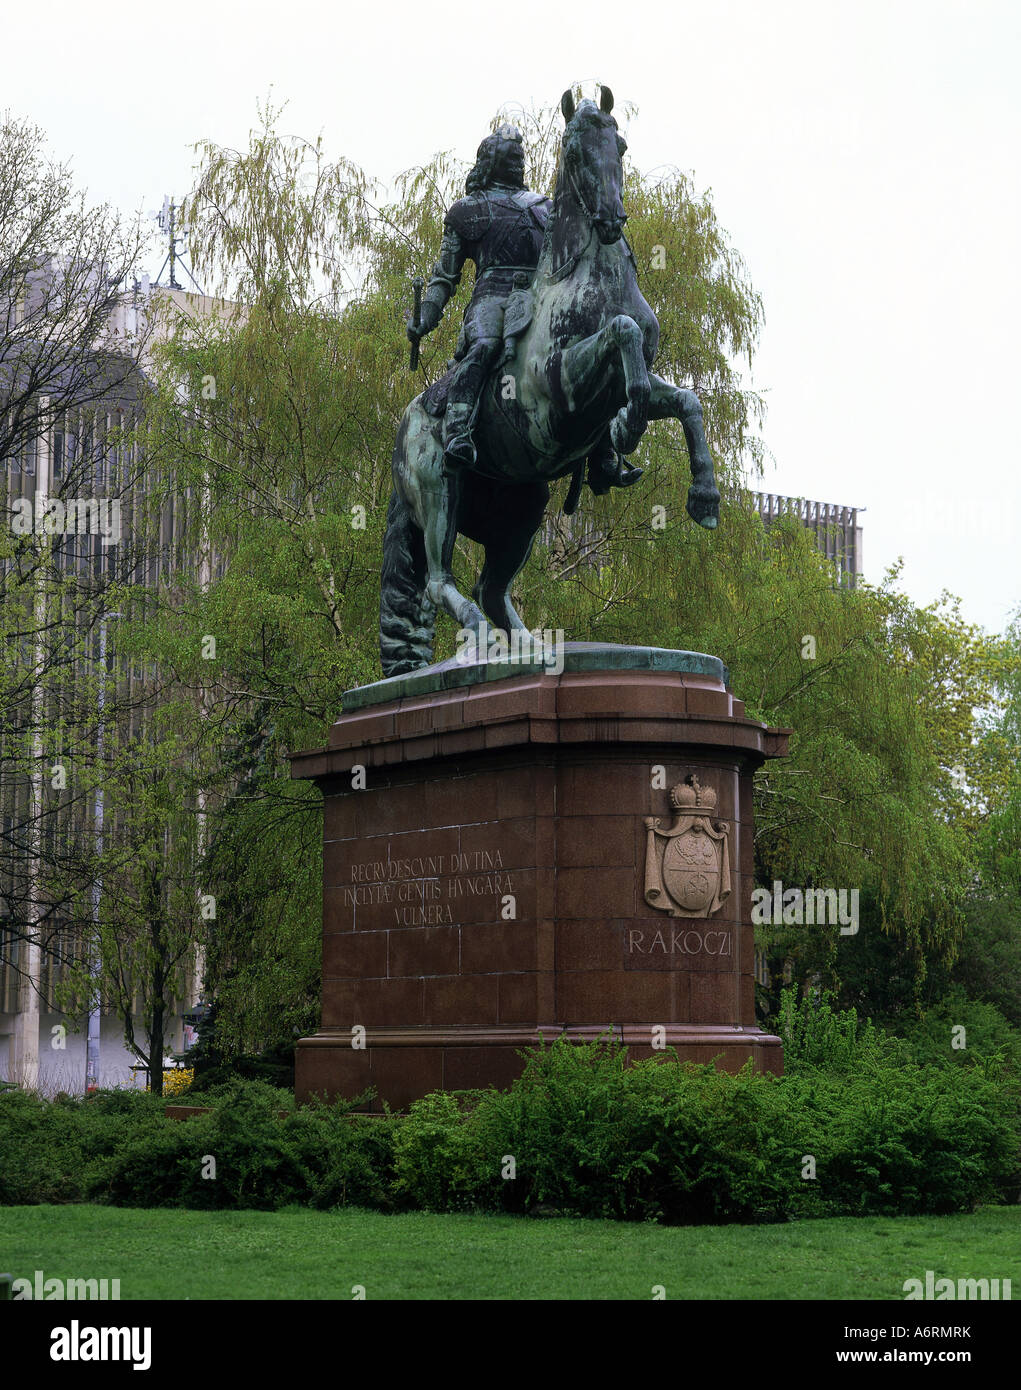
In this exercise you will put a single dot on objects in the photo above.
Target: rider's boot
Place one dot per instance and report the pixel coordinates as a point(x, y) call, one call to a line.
point(458, 448)
point(606, 469)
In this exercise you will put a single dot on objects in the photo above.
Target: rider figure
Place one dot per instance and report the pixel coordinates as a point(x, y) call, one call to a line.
point(499, 225)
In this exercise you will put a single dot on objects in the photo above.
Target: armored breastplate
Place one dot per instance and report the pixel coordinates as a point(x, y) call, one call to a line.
point(515, 233)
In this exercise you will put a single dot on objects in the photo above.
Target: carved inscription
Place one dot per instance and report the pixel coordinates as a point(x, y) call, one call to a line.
point(685, 947)
point(679, 941)
point(425, 890)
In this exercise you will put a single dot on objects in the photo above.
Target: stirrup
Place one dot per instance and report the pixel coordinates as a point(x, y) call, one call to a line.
point(460, 450)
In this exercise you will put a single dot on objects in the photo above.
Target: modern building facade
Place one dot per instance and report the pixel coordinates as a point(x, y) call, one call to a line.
point(79, 489)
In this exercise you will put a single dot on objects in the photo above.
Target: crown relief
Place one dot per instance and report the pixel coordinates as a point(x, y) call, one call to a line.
point(691, 795)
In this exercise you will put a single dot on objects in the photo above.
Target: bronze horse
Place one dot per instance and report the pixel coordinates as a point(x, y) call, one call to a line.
point(581, 365)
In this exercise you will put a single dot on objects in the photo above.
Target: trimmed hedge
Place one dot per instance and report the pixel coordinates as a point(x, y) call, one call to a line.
point(580, 1133)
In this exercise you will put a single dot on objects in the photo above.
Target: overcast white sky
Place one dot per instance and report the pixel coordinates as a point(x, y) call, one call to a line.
point(862, 156)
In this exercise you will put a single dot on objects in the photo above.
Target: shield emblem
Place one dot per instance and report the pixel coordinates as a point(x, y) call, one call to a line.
point(691, 870)
point(687, 867)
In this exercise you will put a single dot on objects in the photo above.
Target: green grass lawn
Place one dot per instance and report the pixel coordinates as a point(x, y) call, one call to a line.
point(311, 1255)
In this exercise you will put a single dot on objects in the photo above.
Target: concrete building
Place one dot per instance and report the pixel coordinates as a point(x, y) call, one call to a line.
point(837, 528)
point(41, 1046)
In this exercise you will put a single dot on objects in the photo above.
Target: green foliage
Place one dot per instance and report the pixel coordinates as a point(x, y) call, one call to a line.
point(264, 1159)
point(815, 1036)
point(580, 1133)
point(47, 1146)
point(988, 1040)
point(908, 1139)
point(656, 1141)
point(989, 967)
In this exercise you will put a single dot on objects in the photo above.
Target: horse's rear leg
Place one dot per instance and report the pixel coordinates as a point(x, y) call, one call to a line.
point(674, 402)
point(505, 524)
point(439, 497)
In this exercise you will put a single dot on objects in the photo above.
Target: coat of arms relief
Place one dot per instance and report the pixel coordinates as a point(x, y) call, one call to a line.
point(687, 867)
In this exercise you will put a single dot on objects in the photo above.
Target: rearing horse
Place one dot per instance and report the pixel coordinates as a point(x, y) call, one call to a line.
point(579, 367)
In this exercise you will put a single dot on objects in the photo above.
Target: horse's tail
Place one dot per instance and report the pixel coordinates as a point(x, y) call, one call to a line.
point(407, 617)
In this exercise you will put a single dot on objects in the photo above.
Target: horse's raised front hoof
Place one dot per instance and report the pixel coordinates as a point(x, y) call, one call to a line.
point(625, 434)
point(704, 506)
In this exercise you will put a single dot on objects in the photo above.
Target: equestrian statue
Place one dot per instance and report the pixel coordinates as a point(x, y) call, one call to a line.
point(551, 377)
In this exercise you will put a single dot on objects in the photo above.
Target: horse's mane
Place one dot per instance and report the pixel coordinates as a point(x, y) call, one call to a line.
point(546, 254)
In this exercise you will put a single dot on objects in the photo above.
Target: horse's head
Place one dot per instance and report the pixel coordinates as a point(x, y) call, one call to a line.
point(590, 167)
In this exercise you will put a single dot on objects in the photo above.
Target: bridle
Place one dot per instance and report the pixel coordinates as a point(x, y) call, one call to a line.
point(575, 192)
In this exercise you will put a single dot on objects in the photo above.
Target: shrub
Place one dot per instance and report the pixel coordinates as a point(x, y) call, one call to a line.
point(579, 1133)
point(263, 1159)
point(988, 1040)
point(663, 1141)
point(816, 1036)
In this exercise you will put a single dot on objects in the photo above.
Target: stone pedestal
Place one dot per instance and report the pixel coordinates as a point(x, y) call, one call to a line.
point(511, 852)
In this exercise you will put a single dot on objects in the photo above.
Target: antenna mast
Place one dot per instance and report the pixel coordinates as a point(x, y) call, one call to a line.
point(167, 219)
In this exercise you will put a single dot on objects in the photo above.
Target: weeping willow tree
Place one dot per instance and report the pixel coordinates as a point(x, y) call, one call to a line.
point(270, 438)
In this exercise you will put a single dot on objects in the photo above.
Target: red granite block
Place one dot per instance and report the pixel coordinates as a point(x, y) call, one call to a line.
point(713, 997)
point(478, 896)
point(678, 944)
point(455, 742)
point(356, 955)
point(416, 951)
point(339, 1003)
point(496, 701)
point(596, 892)
point(460, 800)
point(492, 947)
point(414, 716)
point(338, 915)
point(509, 844)
point(746, 850)
point(476, 1068)
point(614, 787)
point(611, 996)
point(362, 727)
point(746, 1000)
point(508, 735)
point(595, 841)
point(428, 853)
point(339, 817)
point(390, 1003)
point(518, 998)
point(386, 810)
point(449, 714)
point(461, 999)
point(708, 704)
point(420, 748)
point(589, 944)
point(331, 1072)
point(655, 695)
point(525, 790)
point(402, 1075)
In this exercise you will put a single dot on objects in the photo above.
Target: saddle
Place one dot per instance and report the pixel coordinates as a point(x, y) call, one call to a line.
point(434, 397)
point(517, 315)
